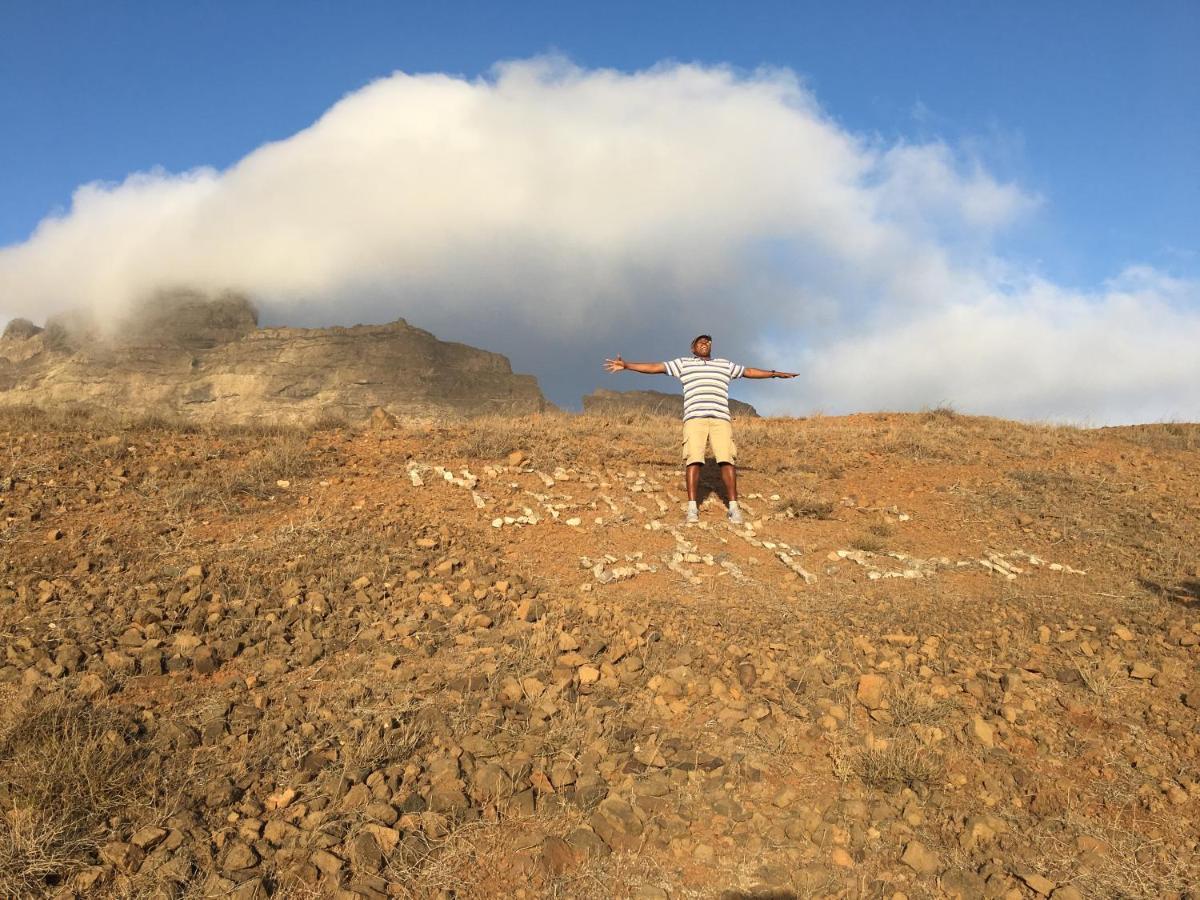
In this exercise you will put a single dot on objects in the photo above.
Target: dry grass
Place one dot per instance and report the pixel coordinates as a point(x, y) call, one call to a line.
point(911, 704)
point(484, 860)
point(26, 418)
point(549, 440)
point(328, 422)
point(901, 763)
point(77, 418)
point(73, 418)
point(1135, 867)
point(1044, 480)
point(1100, 681)
point(938, 440)
point(1166, 436)
point(378, 746)
point(286, 457)
point(64, 771)
point(806, 505)
point(942, 412)
point(460, 862)
point(868, 543)
point(487, 443)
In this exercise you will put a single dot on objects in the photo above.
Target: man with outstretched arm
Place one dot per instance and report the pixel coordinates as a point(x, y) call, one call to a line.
point(706, 417)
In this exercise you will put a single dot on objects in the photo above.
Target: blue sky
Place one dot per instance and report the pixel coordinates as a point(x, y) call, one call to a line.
point(1094, 105)
point(1091, 111)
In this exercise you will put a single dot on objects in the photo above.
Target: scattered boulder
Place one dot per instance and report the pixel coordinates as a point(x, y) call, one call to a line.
point(920, 859)
point(871, 690)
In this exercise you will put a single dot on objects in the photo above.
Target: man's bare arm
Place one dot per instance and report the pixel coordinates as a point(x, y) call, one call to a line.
point(767, 373)
point(618, 365)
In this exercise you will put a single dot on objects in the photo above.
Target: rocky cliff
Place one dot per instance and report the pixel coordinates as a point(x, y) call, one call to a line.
point(606, 403)
point(206, 360)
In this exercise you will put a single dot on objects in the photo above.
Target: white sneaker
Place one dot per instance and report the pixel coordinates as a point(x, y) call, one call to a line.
point(693, 516)
point(735, 516)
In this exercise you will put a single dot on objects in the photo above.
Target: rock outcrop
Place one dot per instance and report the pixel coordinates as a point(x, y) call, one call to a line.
point(206, 360)
point(19, 330)
point(604, 402)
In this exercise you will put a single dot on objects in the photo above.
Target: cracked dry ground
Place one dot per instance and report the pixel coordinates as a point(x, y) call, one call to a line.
point(946, 657)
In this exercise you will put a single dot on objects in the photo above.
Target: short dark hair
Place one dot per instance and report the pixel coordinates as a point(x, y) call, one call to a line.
point(701, 337)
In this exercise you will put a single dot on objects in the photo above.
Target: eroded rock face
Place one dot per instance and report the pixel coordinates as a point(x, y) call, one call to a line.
point(20, 329)
point(179, 319)
point(207, 360)
point(606, 403)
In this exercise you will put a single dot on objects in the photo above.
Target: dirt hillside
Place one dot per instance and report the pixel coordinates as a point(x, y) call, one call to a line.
point(947, 657)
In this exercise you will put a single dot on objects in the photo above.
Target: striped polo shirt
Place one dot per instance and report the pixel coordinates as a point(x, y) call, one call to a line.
point(705, 385)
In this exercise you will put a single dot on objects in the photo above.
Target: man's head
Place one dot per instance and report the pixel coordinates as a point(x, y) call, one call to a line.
point(702, 346)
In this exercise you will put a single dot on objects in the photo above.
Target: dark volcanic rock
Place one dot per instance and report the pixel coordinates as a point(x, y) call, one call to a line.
point(603, 402)
point(207, 360)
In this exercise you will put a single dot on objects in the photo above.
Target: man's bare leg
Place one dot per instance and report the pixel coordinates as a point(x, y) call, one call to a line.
point(692, 479)
point(729, 477)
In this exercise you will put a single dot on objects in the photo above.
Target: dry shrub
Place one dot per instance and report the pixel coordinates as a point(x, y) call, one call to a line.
point(868, 543)
point(901, 763)
point(458, 861)
point(911, 704)
point(1099, 680)
point(329, 422)
point(382, 745)
point(65, 769)
point(806, 506)
point(287, 457)
point(389, 737)
point(490, 443)
point(942, 411)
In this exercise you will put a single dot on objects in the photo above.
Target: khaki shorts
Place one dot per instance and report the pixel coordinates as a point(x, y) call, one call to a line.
point(718, 432)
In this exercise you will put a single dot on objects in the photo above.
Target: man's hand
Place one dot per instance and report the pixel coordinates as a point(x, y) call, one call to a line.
point(614, 365)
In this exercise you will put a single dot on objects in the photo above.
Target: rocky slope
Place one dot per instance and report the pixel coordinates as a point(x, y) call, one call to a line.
point(947, 657)
point(203, 360)
point(603, 402)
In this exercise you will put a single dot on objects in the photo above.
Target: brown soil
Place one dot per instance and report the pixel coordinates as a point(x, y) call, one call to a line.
point(949, 656)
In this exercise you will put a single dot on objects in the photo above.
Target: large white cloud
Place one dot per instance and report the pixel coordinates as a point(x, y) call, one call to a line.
point(558, 215)
point(1126, 355)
